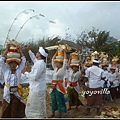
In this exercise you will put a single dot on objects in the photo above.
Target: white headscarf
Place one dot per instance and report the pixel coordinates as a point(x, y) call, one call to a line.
point(96, 61)
point(42, 52)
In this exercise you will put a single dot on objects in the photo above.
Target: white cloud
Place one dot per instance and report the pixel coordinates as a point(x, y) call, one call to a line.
point(57, 29)
point(75, 15)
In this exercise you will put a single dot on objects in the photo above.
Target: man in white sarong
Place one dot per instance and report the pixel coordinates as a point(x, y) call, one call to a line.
point(36, 102)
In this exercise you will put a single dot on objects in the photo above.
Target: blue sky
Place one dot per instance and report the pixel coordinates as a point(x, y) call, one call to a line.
point(69, 16)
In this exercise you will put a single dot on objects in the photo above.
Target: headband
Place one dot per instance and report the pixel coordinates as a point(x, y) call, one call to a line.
point(95, 61)
point(42, 51)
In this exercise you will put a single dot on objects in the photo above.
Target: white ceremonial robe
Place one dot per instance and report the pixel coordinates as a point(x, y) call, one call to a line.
point(94, 75)
point(36, 102)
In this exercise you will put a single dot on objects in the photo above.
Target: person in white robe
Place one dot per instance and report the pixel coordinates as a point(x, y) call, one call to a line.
point(36, 101)
point(94, 74)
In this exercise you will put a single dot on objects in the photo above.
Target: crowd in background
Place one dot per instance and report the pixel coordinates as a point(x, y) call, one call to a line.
point(69, 76)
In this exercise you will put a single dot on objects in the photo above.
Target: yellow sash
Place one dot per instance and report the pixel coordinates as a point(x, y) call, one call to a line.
point(20, 89)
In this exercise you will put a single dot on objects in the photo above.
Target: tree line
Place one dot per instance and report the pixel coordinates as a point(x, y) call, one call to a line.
point(86, 42)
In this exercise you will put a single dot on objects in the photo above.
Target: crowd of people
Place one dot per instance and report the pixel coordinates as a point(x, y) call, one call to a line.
point(100, 82)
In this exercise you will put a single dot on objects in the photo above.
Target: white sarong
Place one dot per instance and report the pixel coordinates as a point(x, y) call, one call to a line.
point(36, 105)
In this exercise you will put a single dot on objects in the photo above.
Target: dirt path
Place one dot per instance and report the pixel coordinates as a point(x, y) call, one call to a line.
point(81, 109)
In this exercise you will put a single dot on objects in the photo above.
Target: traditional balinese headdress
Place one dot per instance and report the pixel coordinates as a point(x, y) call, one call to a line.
point(60, 54)
point(13, 52)
point(88, 62)
point(75, 59)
